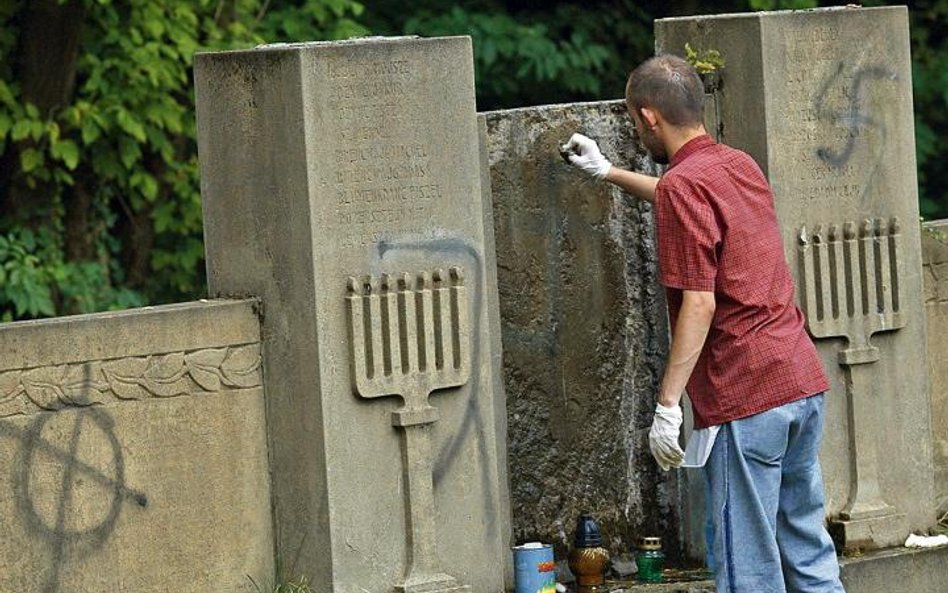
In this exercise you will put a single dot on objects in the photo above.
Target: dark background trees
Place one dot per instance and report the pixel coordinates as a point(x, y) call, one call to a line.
point(99, 195)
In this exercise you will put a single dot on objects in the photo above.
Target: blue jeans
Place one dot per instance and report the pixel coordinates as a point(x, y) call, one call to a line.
point(766, 504)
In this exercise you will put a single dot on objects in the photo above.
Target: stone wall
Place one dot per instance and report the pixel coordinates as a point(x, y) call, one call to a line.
point(584, 330)
point(133, 452)
point(935, 261)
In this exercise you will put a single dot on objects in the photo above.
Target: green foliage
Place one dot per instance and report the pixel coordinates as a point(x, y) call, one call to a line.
point(510, 56)
point(123, 148)
point(23, 282)
point(127, 136)
point(782, 4)
point(34, 276)
point(929, 28)
point(704, 62)
point(313, 19)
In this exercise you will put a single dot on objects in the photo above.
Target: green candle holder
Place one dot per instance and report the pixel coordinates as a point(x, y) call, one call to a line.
point(650, 560)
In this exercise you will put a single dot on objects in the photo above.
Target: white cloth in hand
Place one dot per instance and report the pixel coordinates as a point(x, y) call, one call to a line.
point(583, 152)
point(663, 437)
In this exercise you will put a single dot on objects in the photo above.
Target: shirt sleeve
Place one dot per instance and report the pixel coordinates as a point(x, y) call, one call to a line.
point(688, 238)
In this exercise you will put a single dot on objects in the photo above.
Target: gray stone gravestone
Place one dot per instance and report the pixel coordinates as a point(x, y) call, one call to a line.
point(342, 184)
point(584, 331)
point(823, 101)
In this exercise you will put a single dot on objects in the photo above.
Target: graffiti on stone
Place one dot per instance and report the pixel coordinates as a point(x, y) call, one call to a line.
point(69, 484)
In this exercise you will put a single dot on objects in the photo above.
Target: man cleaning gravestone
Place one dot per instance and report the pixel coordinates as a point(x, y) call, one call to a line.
point(739, 345)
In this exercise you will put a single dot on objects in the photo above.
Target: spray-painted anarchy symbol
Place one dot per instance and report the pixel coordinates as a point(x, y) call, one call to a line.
point(71, 503)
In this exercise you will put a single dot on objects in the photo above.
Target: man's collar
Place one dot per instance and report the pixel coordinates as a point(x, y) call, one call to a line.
point(690, 147)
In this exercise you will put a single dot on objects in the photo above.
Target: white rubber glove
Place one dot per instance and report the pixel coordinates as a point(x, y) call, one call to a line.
point(584, 153)
point(663, 437)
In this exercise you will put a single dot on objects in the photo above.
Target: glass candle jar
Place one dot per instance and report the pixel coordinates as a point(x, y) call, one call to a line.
point(649, 559)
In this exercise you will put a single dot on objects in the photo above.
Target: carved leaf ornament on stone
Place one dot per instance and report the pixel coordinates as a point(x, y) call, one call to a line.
point(168, 375)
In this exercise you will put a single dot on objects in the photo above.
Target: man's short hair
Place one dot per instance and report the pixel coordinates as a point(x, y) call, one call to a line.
point(670, 85)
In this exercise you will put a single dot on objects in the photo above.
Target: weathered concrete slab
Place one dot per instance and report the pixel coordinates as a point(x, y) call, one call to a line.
point(584, 331)
point(133, 452)
point(831, 124)
point(935, 258)
point(911, 571)
point(329, 161)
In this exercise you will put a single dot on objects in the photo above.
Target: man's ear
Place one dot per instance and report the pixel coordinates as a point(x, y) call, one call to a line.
point(649, 116)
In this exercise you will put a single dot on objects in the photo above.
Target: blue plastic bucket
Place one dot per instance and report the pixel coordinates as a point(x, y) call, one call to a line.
point(534, 569)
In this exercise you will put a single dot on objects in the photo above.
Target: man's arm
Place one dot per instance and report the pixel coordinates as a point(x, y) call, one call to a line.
point(637, 184)
point(688, 336)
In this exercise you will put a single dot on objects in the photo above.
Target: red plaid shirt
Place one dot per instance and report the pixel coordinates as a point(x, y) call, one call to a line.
point(718, 232)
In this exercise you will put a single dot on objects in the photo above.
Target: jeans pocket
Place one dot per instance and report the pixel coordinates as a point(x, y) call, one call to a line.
point(763, 437)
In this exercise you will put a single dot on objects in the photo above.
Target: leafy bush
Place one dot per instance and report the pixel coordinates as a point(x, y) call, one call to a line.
point(510, 56)
point(101, 203)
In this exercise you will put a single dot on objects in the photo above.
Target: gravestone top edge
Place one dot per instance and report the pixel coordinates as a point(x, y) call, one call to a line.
point(552, 107)
point(934, 242)
point(198, 306)
point(344, 43)
point(133, 332)
point(780, 13)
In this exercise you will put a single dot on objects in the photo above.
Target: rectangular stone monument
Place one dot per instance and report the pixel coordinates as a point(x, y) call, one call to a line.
point(584, 331)
point(342, 184)
point(822, 100)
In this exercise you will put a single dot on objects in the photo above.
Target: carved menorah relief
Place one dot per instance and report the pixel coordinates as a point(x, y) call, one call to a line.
point(849, 285)
point(410, 336)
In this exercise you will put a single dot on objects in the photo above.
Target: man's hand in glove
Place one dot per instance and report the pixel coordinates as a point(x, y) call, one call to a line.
point(584, 153)
point(663, 437)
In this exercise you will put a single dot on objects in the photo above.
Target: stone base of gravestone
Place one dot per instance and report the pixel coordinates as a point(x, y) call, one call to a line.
point(349, 172)
point(584, 331)
point(831, 125)
point(909, 570)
